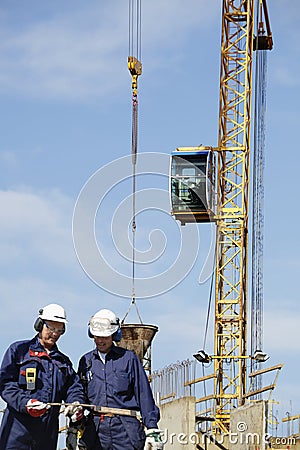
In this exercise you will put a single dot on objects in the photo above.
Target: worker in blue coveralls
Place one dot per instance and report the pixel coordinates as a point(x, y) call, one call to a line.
point(114, 377)
point(34, 374)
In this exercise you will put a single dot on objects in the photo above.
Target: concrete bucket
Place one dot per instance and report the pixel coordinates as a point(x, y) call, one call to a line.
point(137, 337)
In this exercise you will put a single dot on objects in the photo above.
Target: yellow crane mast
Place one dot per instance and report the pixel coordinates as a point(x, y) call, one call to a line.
point(232, 208)
point(231, 275)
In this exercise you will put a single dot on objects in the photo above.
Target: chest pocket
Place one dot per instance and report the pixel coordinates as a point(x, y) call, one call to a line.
point(121, 382)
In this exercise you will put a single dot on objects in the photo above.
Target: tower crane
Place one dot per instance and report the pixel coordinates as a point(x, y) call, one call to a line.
point(229, 208)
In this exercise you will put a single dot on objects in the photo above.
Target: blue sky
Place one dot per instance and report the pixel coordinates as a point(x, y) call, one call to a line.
point(66, 112)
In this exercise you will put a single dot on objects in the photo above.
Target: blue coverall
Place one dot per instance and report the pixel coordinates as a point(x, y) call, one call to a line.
point(56, 380)
point(119, 383)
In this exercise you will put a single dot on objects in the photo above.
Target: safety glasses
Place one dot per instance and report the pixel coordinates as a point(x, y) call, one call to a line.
point(54, 329)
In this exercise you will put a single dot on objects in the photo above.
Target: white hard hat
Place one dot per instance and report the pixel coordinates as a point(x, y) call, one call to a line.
point(53, 312)
point(104, 323)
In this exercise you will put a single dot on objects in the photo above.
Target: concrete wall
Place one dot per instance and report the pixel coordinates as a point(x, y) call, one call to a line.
point(178, 423)
point(248, 427)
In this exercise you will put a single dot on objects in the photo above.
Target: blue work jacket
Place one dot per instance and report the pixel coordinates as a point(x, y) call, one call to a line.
point(119, 383)
point(56, 381)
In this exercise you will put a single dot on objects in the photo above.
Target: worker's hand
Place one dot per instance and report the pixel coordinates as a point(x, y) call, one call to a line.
point(36, 408)
point(153, 439)
point(74, 411)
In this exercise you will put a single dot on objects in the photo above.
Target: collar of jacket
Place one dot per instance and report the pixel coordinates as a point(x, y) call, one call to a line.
point(117, 351)
point(36, 348)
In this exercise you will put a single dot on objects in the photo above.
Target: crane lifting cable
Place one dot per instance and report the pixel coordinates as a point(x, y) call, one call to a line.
point(135, 69)
point(258, 185)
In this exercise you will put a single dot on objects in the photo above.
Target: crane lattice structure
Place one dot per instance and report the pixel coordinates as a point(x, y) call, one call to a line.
point(231, 275)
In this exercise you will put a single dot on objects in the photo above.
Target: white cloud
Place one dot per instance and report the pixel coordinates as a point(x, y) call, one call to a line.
point(35, 227)
point(38, 262)
point(69, 55)
point(82, 54)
